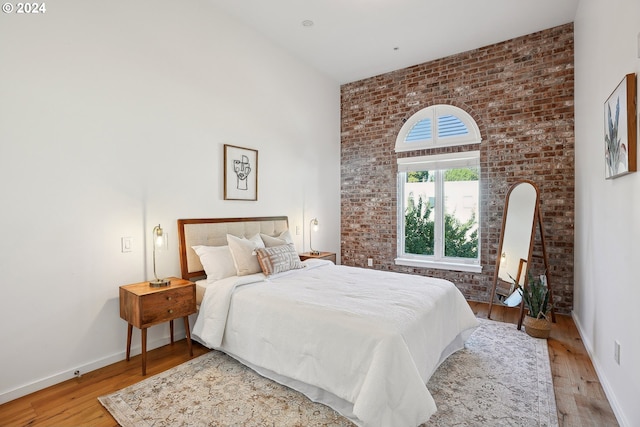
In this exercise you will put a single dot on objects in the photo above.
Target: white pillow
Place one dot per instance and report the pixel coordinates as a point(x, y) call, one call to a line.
point(243, 252)
point(283, 239)
point(217, 261)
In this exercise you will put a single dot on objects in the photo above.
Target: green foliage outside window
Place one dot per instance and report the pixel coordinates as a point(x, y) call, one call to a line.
point(419, 176)
point(418, 229)
point(460, 241)
point(462, 174)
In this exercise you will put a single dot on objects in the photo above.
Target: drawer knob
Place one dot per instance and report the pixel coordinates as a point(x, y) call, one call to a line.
point(170, 311)
point(169, 298)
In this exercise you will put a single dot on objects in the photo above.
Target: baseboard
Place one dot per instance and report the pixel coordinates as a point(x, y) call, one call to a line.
point(608, 390)
point(88, 367)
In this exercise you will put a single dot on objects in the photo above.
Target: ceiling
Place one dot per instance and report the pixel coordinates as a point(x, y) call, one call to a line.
point(355, 39)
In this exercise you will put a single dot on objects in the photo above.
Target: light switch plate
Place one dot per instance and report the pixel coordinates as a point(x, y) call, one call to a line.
point(127, 244)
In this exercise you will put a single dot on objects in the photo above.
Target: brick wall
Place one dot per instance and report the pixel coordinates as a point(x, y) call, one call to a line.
point(520, 92)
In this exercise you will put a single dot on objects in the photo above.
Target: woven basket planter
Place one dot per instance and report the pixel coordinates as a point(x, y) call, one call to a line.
point(537, 328)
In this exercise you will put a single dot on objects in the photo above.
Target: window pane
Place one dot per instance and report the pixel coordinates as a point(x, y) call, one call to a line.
point(420, 131)
point(450, 125)
point(461, 193)
point(419, 190)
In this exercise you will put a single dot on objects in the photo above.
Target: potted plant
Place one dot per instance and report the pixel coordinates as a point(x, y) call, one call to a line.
point(536, 299)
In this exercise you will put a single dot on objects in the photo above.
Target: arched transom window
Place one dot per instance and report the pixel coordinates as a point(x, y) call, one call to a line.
point(437, 126)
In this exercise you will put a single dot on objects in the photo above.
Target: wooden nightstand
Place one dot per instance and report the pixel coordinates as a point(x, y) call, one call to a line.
point(142, 306)
point(331, 256)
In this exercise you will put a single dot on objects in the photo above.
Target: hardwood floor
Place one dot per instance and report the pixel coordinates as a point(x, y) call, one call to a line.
point(74, 402)
point(579, 395)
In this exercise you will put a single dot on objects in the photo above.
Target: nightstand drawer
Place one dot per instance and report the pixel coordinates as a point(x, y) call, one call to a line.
point(164, 306)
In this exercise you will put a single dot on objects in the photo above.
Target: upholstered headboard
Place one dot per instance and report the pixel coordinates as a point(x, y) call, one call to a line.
point(213, 232)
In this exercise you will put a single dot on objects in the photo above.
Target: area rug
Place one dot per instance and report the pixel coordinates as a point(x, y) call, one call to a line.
point(501, 378)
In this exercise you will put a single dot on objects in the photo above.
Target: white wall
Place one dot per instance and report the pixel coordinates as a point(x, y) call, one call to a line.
point(607, 289)
point(113, 117)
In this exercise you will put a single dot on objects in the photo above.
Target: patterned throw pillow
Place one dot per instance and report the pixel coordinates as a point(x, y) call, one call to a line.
point(278, 259)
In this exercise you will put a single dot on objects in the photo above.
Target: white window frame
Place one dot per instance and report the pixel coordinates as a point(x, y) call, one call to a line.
point(433, 112)
point(437, 163)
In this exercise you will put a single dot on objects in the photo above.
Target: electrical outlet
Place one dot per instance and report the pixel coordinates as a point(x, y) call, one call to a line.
point(370, 262)
point(77, 374)
point(616, 352)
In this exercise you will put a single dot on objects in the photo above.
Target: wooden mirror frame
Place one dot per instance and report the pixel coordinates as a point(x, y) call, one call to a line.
point(536, 220)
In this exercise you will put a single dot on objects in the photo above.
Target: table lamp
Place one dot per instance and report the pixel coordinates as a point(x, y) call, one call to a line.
point(158, 242)
point(313, 226)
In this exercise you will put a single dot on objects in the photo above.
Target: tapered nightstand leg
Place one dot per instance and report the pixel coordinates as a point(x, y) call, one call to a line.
point(143, 332)
point(171, 330)
point(129, 332)
point(186, 328)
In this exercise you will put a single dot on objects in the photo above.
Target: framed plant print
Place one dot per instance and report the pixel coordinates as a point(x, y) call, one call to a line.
point(240, 173)
point(620, 129)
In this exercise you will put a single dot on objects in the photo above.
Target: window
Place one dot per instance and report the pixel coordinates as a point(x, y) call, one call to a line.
point(437, 126)
point(438, 195)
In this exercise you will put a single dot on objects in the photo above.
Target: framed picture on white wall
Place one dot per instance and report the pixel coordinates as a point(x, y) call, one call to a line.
point(620, 129)
point(240, 173)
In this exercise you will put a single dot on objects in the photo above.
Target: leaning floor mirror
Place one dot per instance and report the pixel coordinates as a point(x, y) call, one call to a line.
point(515, 250)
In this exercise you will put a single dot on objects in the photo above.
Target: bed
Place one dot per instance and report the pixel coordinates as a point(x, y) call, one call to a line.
point(362, 341)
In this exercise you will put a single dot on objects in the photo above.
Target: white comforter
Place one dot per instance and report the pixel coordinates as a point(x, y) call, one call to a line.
point(372, 339)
